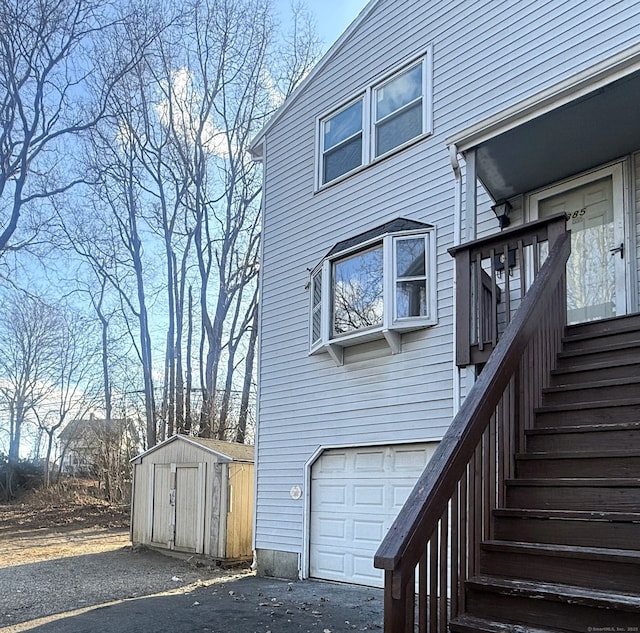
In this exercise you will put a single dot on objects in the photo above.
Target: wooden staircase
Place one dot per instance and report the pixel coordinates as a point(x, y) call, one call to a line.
point(564, 547)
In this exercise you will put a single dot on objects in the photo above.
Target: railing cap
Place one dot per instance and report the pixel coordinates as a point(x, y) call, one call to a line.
point(513, 234)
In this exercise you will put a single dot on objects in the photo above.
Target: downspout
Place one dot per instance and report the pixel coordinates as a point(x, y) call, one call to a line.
point(258, 157)
point(457, 239)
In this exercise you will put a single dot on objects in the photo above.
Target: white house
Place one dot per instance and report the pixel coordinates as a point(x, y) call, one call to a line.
point(419, 120)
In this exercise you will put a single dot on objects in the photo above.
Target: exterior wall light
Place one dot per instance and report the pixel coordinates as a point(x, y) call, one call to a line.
point(502, 210)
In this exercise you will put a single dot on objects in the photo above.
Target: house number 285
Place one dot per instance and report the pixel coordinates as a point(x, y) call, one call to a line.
point(573, 215)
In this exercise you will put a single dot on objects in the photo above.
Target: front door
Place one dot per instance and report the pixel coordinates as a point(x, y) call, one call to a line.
point(594, 208)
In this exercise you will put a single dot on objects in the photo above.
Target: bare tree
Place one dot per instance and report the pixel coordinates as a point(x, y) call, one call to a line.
point(231, 87)
point(46, 76)
point(27, 354)
point(71, 380)
point(174, 214)
point(101, 448)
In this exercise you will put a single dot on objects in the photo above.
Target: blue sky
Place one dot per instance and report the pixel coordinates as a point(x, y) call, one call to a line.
point(332, 16)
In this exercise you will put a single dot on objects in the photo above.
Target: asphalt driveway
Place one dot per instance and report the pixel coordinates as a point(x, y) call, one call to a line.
point(248, 604)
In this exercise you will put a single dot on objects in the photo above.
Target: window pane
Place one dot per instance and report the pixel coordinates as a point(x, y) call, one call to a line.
point(342, 159)
point(343, 125)
point(316, 323)
point(399, 92)
point(399, 129)
point(411, 299)
point(410, 257)
point(317, 326)
point(317, 288)
point(358, 292)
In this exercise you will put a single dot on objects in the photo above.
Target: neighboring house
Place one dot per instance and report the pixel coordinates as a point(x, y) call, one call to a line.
point(421, 125)
point(89, 446)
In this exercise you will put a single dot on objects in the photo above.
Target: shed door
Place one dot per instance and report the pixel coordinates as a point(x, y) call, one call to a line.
point(162, 512)
point(178, 506)
point(189, 507)
point(356, 494)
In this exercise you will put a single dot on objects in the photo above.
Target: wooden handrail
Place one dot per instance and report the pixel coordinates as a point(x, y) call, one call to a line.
point(403, 546)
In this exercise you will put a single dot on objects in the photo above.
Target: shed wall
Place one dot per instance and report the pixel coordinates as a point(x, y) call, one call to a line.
point(240, 511)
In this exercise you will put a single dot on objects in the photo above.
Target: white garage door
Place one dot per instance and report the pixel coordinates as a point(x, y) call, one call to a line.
point(356, 494)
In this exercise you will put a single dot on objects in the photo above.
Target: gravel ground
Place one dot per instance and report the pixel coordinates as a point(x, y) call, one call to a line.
point(70, 581)
point(69, 568)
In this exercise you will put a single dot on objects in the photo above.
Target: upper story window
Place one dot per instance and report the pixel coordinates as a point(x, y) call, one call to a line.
point(342, 142)
point(386, 116)
point(376, 285)
point(398, 106)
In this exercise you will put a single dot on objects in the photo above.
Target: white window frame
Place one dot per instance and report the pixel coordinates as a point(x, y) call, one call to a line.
point(364, 141)
point(392, 327)
point(424, 94)
point(369, 124)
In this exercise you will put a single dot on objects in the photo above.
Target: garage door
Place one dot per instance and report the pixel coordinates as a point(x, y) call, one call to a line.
point(356, 494)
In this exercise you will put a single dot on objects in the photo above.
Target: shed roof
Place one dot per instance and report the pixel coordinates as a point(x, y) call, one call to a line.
point(230, 451)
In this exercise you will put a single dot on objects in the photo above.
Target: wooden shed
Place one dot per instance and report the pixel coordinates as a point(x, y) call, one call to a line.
point(195, 495)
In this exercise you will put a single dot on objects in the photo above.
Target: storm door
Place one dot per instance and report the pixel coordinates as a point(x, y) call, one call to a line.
point(596, 268)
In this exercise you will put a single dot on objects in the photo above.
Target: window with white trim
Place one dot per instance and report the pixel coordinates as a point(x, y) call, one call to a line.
point(399, 109)
point(387, 115)
point(342, 141)
point(374, 286)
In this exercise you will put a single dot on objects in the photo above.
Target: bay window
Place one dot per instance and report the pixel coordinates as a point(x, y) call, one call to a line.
point(375, 286)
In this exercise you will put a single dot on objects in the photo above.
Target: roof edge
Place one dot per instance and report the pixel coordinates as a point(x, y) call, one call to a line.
point(188, 439)
point(256, 145)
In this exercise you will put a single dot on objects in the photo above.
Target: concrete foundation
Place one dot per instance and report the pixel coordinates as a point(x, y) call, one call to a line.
point(277, 564)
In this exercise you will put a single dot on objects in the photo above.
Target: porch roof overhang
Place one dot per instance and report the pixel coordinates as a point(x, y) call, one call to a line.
point(557, 137)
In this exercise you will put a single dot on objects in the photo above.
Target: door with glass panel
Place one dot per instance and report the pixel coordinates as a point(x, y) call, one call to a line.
point(596, 277)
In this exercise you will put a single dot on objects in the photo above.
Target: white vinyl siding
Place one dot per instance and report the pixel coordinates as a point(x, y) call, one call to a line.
point(487, 56)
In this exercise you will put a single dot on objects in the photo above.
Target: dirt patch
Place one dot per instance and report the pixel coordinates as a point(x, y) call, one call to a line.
point(75, 503)
point(60, 522)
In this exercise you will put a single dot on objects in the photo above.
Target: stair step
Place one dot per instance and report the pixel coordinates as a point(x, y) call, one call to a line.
point(621, 412)
point(606, 437)
point(584, 372)
point(535, 604)
point(617, 530)
point(612, 495)
point(588, 344)
point(600, 391)
point(469, 624)
point(595, 567)
point(603, 327)
point(606, 353)
point(579, 464)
